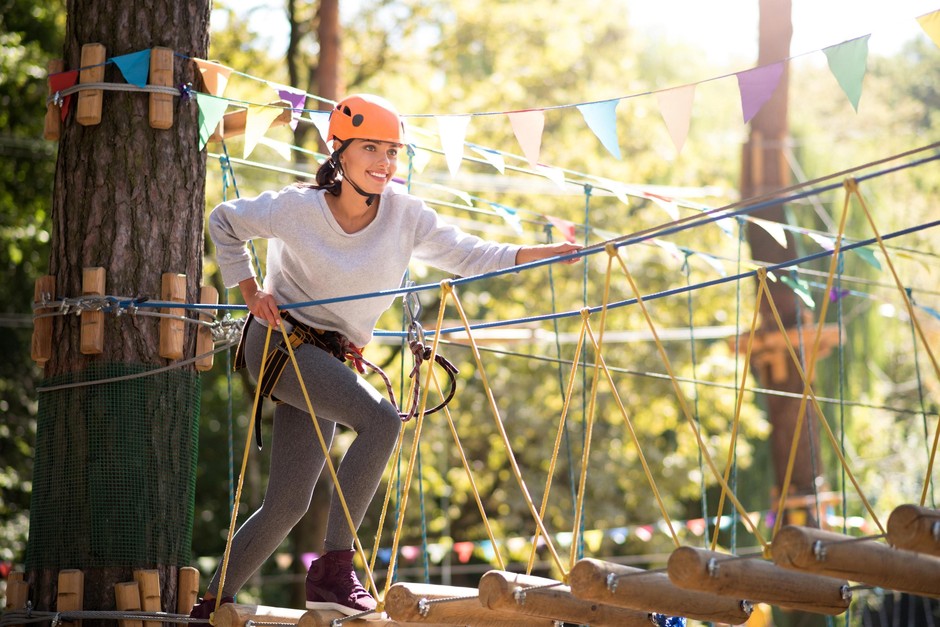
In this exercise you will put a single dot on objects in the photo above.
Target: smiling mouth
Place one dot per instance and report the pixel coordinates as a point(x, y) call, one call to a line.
point(378, 175)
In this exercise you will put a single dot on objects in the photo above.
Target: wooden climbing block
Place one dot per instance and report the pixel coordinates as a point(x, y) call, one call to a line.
point(237, 615)
point(187, 591)
point(127, 599)
point(52, 125)
point(161, 75)
point(758, 580)
point(638, 589)
point(172, 333)
point(71, 592)
point(208, 295)
point(865, 560)
point(41, 346)
point(148, 583)
point(17, 594)
point(325, 618)
point(449, 605)
point(88, 110)
point(92, 333)
point(526, 595)
point(915, 528)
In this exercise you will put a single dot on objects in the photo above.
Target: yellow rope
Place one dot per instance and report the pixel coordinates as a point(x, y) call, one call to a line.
point(502, 431)
point(241, 482)
point(737, 408)
point(688, 414)
point(385, 502)
point(558, 437)
point(799, 425)
point(933, 456)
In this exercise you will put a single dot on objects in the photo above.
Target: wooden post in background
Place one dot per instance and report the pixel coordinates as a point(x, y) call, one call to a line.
point(41, 347)
point(173, 289)
point(92, 337)
point(204, 342)
point(161, 74)
point(127, 599)
point(148, 583)
point(88, 111)
point(52, 128)
point(71, 592)
point(17, 593)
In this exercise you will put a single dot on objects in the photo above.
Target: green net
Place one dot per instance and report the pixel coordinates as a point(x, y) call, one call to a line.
point(115, 469)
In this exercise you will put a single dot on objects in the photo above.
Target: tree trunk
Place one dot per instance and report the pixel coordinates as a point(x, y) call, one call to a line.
point(765, 170)
point(115, 462)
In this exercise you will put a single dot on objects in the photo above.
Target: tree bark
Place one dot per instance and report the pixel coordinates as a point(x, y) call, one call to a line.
point(130, 199)
point(765, 170)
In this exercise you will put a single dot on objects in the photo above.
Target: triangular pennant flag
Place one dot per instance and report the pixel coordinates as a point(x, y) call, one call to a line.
point(214, 76)
point(555, 175)
point(492, 157)
point(564, 226)
point(757, 86)
point(321, 119)
point(774, 229)
point(509, 215)
point(848, 62)
point(593, 539)
point(668, 205)
point(824, 241)
point(933, 312)
point(281, 148)
point(601, 117)
point(670, 248)
point(297, 99)
point(675, 105)
point(257, 123)
point(931, 25)
point(800, 288)
point(527, 127)
point(59, 82)
point(134, 67)
point(868, 256)
point(420, 160)
point(714, 263)
point(211, 110)
point(452, 130)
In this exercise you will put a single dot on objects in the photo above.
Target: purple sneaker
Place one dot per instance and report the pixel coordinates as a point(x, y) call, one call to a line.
point(332, 585)
point(205, 608)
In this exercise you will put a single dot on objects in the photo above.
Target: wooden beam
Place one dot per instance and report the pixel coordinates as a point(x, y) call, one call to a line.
point(71, 593)
point(546, 598)
point(915, 528)
point(415, 603)
point(187, 591)
point(864, 560)
point(326, 618)
point(757, 580)
point(635, 588)
point(238, 615)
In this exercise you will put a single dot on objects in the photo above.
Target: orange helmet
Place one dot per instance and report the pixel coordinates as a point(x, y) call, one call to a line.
point(364, 116)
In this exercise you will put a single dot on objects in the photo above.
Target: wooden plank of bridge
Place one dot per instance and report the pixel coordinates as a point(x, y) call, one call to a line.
point(326, 618)
point(915, 528)
point(415, 603)
point(237, 615)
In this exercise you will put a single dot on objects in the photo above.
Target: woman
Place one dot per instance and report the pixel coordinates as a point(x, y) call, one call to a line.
point(350, 234)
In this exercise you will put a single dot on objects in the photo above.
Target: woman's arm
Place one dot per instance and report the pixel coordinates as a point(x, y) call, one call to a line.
point(259, 302)
point(528, 254)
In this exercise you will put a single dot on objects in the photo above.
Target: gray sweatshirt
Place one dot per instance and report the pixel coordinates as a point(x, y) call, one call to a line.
point(310, 257)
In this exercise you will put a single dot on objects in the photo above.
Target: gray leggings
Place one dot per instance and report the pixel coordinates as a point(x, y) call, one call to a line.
point(338, 395)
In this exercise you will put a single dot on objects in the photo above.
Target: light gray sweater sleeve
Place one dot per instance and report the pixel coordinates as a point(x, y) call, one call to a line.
point(231, 225)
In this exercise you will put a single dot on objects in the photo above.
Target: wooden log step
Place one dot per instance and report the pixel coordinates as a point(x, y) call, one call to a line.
point(915, 528)
point(863, 560)
point(409, 602)
point(326, 618)
point(635, 588)
point(237, 615)
point(546, 598)
point(758, 580)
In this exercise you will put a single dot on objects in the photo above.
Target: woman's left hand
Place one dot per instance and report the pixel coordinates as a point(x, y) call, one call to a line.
point(528, 254)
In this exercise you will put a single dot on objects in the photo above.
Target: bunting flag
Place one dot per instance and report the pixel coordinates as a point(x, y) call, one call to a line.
point(452, 130)
point(509, 215)
point(670, 248)
point(214, 76)
point(675, 105)
point(527, 127)
point(555, 175)
point(774, 229)
point(868, 256)
point(281, 148)
point(848, 62)
point(257, 123)
point(669, 205)
point(931, 25)
point(800, 288)
point(757, 86)
point(565, 227)
point(601, 118)
point(492, 157)
point(59, 82)
point(211, 110)
point(714, 263)
point(297, 99)
point(826, 243)
point(321, 120)
point(134, 67)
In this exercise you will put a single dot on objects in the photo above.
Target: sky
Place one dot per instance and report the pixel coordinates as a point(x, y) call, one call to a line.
point(724, 29)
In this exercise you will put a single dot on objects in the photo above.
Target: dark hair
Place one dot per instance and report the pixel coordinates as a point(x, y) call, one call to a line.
point(329, 176)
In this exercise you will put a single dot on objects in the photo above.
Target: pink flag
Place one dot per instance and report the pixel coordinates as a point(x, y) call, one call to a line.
point(528, 127)
point(214, 76)
point(676, 108)
point(757, 86)
point(564, 226)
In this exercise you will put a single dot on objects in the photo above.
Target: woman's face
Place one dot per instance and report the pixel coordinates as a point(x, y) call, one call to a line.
point(371, 164)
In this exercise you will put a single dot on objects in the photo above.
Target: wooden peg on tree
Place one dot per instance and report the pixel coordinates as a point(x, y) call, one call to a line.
point(88, 111)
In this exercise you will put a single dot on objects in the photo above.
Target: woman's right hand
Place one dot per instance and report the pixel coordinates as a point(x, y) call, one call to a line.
point(260, 303)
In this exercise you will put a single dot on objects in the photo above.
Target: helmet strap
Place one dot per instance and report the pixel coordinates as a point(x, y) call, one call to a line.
point(370, 198)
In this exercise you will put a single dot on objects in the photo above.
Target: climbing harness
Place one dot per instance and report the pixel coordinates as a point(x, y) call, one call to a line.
point(339, 346)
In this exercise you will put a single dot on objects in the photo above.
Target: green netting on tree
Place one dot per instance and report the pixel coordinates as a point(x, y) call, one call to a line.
point(115, 469)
